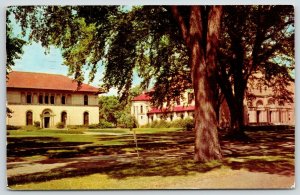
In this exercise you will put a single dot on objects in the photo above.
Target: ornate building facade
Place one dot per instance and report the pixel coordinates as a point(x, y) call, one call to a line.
point(49, 99)
point(261, 109)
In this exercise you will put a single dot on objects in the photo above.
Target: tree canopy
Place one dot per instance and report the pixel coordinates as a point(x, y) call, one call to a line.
point(257, 45)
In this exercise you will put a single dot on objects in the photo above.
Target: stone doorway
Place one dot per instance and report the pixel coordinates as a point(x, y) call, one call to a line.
point(47, 119)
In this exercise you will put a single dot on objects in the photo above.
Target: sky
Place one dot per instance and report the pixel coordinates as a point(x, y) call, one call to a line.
point(36, 59)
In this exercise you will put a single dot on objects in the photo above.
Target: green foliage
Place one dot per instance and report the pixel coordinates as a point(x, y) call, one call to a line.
point(160, 124)
point(12, 127)
point(14, 45)
point(76, 127)
point(93, 126)
point(109, 108)
point(29, 127)
point(187, 123)
point(60, 125)
point(127, 121)
point(37, 124)
point(105, 124)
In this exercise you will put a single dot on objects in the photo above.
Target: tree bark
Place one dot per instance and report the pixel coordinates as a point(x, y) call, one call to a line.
point(202, 45)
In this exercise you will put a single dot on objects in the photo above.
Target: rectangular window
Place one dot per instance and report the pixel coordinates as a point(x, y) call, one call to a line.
point(86, 100)
point(63, 99)
point(142, 110)
point(28, 99)
point(40, 99)
point(190, 98)
point(52, 99)
point(178, 101)
point(46, 99)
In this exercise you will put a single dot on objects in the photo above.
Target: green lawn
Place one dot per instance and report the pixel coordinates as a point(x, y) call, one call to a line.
point(107, 158)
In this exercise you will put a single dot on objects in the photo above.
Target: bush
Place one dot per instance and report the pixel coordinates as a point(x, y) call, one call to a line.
point(37, 124)
point(187, 123)
point(105, 124)
point(12, 127)
point(77, 127)
point(127, 121)
point(60, 125)
point(93, 126)
point(29, 127)
point(178, 123)
point(160, 124)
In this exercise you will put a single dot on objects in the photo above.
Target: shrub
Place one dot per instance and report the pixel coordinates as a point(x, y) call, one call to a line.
point(178, 123)
point(105, 124)
point(76, 127)
point(37, 124)
point(60, 125)
point(94, 126)
point(187, 123)
point(29, 127)
point(12, 127)
point(127, 121)
point(160, 124)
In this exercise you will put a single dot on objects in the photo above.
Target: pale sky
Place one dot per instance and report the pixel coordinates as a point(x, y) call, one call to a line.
point(34, 59)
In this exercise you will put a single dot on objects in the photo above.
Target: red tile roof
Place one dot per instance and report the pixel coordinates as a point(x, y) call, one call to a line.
point(174, 109)
point(142, 97)
point(31, 80)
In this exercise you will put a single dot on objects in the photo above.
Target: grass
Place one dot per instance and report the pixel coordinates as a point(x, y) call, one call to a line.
point(107, 159)
point(103, 181)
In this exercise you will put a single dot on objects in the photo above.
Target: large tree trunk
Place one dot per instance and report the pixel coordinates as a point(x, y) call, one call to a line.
point(202, 40)
point(236, 108)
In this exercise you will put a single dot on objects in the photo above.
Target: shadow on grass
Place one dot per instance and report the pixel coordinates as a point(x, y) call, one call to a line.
point(163, 154)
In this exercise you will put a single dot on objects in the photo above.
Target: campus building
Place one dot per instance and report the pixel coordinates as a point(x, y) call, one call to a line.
point(262, 108)
point(259, 109)
point(49, 99)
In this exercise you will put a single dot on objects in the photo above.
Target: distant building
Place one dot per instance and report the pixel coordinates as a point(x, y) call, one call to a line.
point(49, 99)
point(260, 109)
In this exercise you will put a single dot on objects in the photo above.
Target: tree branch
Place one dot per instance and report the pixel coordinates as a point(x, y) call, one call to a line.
point(183, 28)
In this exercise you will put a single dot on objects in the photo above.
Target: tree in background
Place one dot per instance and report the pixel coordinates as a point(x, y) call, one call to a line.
point(14, 49)
point(255, 39)
point(109, 109)
point(14, 46)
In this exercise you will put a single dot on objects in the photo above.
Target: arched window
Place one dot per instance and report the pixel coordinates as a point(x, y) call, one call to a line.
point(281, 103)
point(271, 101)
point(249, 103)
point(85, 118)
point(86, 100)
point(29, 118)
point(64, 118)
point(259, 103)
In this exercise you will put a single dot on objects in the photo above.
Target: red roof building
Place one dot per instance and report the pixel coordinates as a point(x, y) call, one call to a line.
point(49, 99)
point(142, 97)
point(45, 81)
